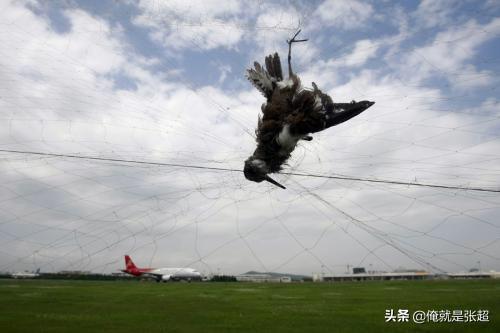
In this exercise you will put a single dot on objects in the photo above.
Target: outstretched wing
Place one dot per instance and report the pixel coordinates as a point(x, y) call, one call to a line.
point(318, 112)
point(344, 111)
point(265, 79)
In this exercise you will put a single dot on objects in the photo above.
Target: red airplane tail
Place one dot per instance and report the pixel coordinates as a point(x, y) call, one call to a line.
point(129, 264)
point(130, 267)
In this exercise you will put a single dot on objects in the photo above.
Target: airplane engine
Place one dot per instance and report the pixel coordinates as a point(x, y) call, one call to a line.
point(165, 278)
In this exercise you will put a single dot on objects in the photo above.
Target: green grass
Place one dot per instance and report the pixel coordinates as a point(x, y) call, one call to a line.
point(82, 306)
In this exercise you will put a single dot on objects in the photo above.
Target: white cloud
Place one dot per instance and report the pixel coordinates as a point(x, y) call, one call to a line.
point(450, 55)
point(344, 14)
point(363, 50)
point(224, 70)
point(198, 25)
point(435, 13)
point(276, 25)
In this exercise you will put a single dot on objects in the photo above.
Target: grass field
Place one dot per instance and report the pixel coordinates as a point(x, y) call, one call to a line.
point(81, 306)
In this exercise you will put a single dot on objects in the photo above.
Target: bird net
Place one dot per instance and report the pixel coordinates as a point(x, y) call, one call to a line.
point(124, 128)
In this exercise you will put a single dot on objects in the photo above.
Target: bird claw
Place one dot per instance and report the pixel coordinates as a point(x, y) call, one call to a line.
point(307, 138)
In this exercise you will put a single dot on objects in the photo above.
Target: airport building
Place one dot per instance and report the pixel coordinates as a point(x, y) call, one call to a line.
point(475, 275)
point(359, 274)
point(262, 277)
point(420, 275)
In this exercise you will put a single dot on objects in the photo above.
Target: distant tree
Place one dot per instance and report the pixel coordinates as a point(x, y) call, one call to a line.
point(223, 278)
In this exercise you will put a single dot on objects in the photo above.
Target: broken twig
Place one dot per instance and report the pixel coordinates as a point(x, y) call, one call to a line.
point(290, 41)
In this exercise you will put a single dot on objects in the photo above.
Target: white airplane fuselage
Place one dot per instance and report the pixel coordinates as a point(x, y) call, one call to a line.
point(177, 273)
point(25, 275)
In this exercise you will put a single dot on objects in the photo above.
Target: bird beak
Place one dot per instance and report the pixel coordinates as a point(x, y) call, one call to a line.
point(272, 181)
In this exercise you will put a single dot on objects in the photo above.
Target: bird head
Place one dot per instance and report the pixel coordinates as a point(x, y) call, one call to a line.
point(256, 170)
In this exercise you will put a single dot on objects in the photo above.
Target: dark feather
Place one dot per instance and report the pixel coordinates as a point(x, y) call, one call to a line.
point(277, 67)
point(273, 66)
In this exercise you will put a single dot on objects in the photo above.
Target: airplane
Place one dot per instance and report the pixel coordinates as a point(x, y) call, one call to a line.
point(162, 274)
point(26, 275)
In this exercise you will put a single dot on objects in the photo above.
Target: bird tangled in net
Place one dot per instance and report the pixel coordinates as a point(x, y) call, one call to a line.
point(291, 113)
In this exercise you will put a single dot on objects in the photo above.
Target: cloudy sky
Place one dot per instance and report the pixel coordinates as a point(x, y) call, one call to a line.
point(163, 82)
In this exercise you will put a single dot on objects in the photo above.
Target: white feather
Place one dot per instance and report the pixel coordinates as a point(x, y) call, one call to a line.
point(318, 105)
point(261, 80)
point(258, 163)
point(285, 83)
point(287, 141)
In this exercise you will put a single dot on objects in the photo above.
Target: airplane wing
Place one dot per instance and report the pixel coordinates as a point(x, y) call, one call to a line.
point(158, 277)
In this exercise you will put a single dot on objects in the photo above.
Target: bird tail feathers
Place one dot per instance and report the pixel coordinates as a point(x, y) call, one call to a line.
point(260, 79)
point(265, 79)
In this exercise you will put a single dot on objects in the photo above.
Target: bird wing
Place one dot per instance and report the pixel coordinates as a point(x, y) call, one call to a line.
point(265, 79)
point(342, 112)
point(316, 111)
